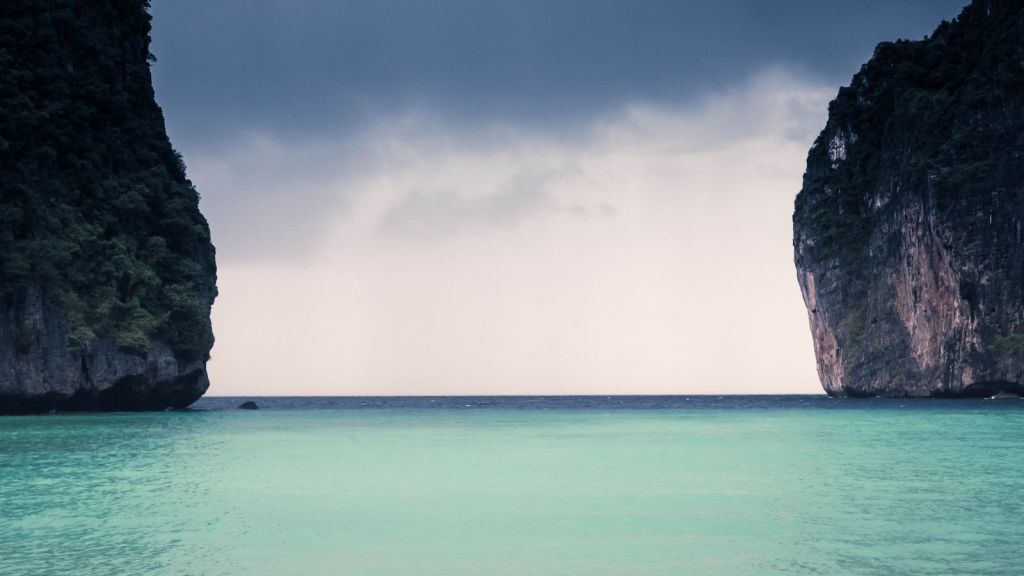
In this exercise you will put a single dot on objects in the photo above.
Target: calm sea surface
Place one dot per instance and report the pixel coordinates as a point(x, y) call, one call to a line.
point(519, 486)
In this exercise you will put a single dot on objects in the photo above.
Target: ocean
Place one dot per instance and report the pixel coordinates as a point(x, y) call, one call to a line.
point(703, 485)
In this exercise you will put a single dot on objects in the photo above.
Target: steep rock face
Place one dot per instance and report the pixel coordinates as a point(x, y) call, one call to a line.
point(107, 273)
point(908, 233)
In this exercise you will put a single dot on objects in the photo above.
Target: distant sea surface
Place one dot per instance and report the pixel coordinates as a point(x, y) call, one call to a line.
point(630, 486)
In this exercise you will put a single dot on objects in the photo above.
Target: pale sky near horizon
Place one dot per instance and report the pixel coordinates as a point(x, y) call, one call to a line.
point(461, 197)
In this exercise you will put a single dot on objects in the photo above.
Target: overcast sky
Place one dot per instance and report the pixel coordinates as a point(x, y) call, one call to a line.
point(521, 197)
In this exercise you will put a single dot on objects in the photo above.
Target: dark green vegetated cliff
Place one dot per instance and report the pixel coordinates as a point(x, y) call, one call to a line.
point(908, 229)
point(932, 114)
point(95, 208)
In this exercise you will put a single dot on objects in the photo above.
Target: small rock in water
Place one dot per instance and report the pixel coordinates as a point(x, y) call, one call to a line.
point(248, 405)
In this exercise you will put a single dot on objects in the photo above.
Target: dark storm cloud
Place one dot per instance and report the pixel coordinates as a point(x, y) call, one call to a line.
point(299, 67)
point(277, 105)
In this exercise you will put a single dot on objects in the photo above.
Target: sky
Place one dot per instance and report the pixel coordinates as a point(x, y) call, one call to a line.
point(509, 197)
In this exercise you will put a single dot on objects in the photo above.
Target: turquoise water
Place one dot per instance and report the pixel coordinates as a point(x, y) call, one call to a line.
point(759, 486)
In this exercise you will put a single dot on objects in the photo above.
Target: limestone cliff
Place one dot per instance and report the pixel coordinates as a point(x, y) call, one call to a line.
point(909, 229)
point(107, 272)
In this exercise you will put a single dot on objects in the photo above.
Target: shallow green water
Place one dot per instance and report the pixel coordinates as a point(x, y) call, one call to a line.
point(881, 489)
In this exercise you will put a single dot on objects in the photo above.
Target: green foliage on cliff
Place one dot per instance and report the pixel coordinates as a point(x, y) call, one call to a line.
point(853, 326)
point(95, 209)
point(1010, 347)
point(928, 117)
